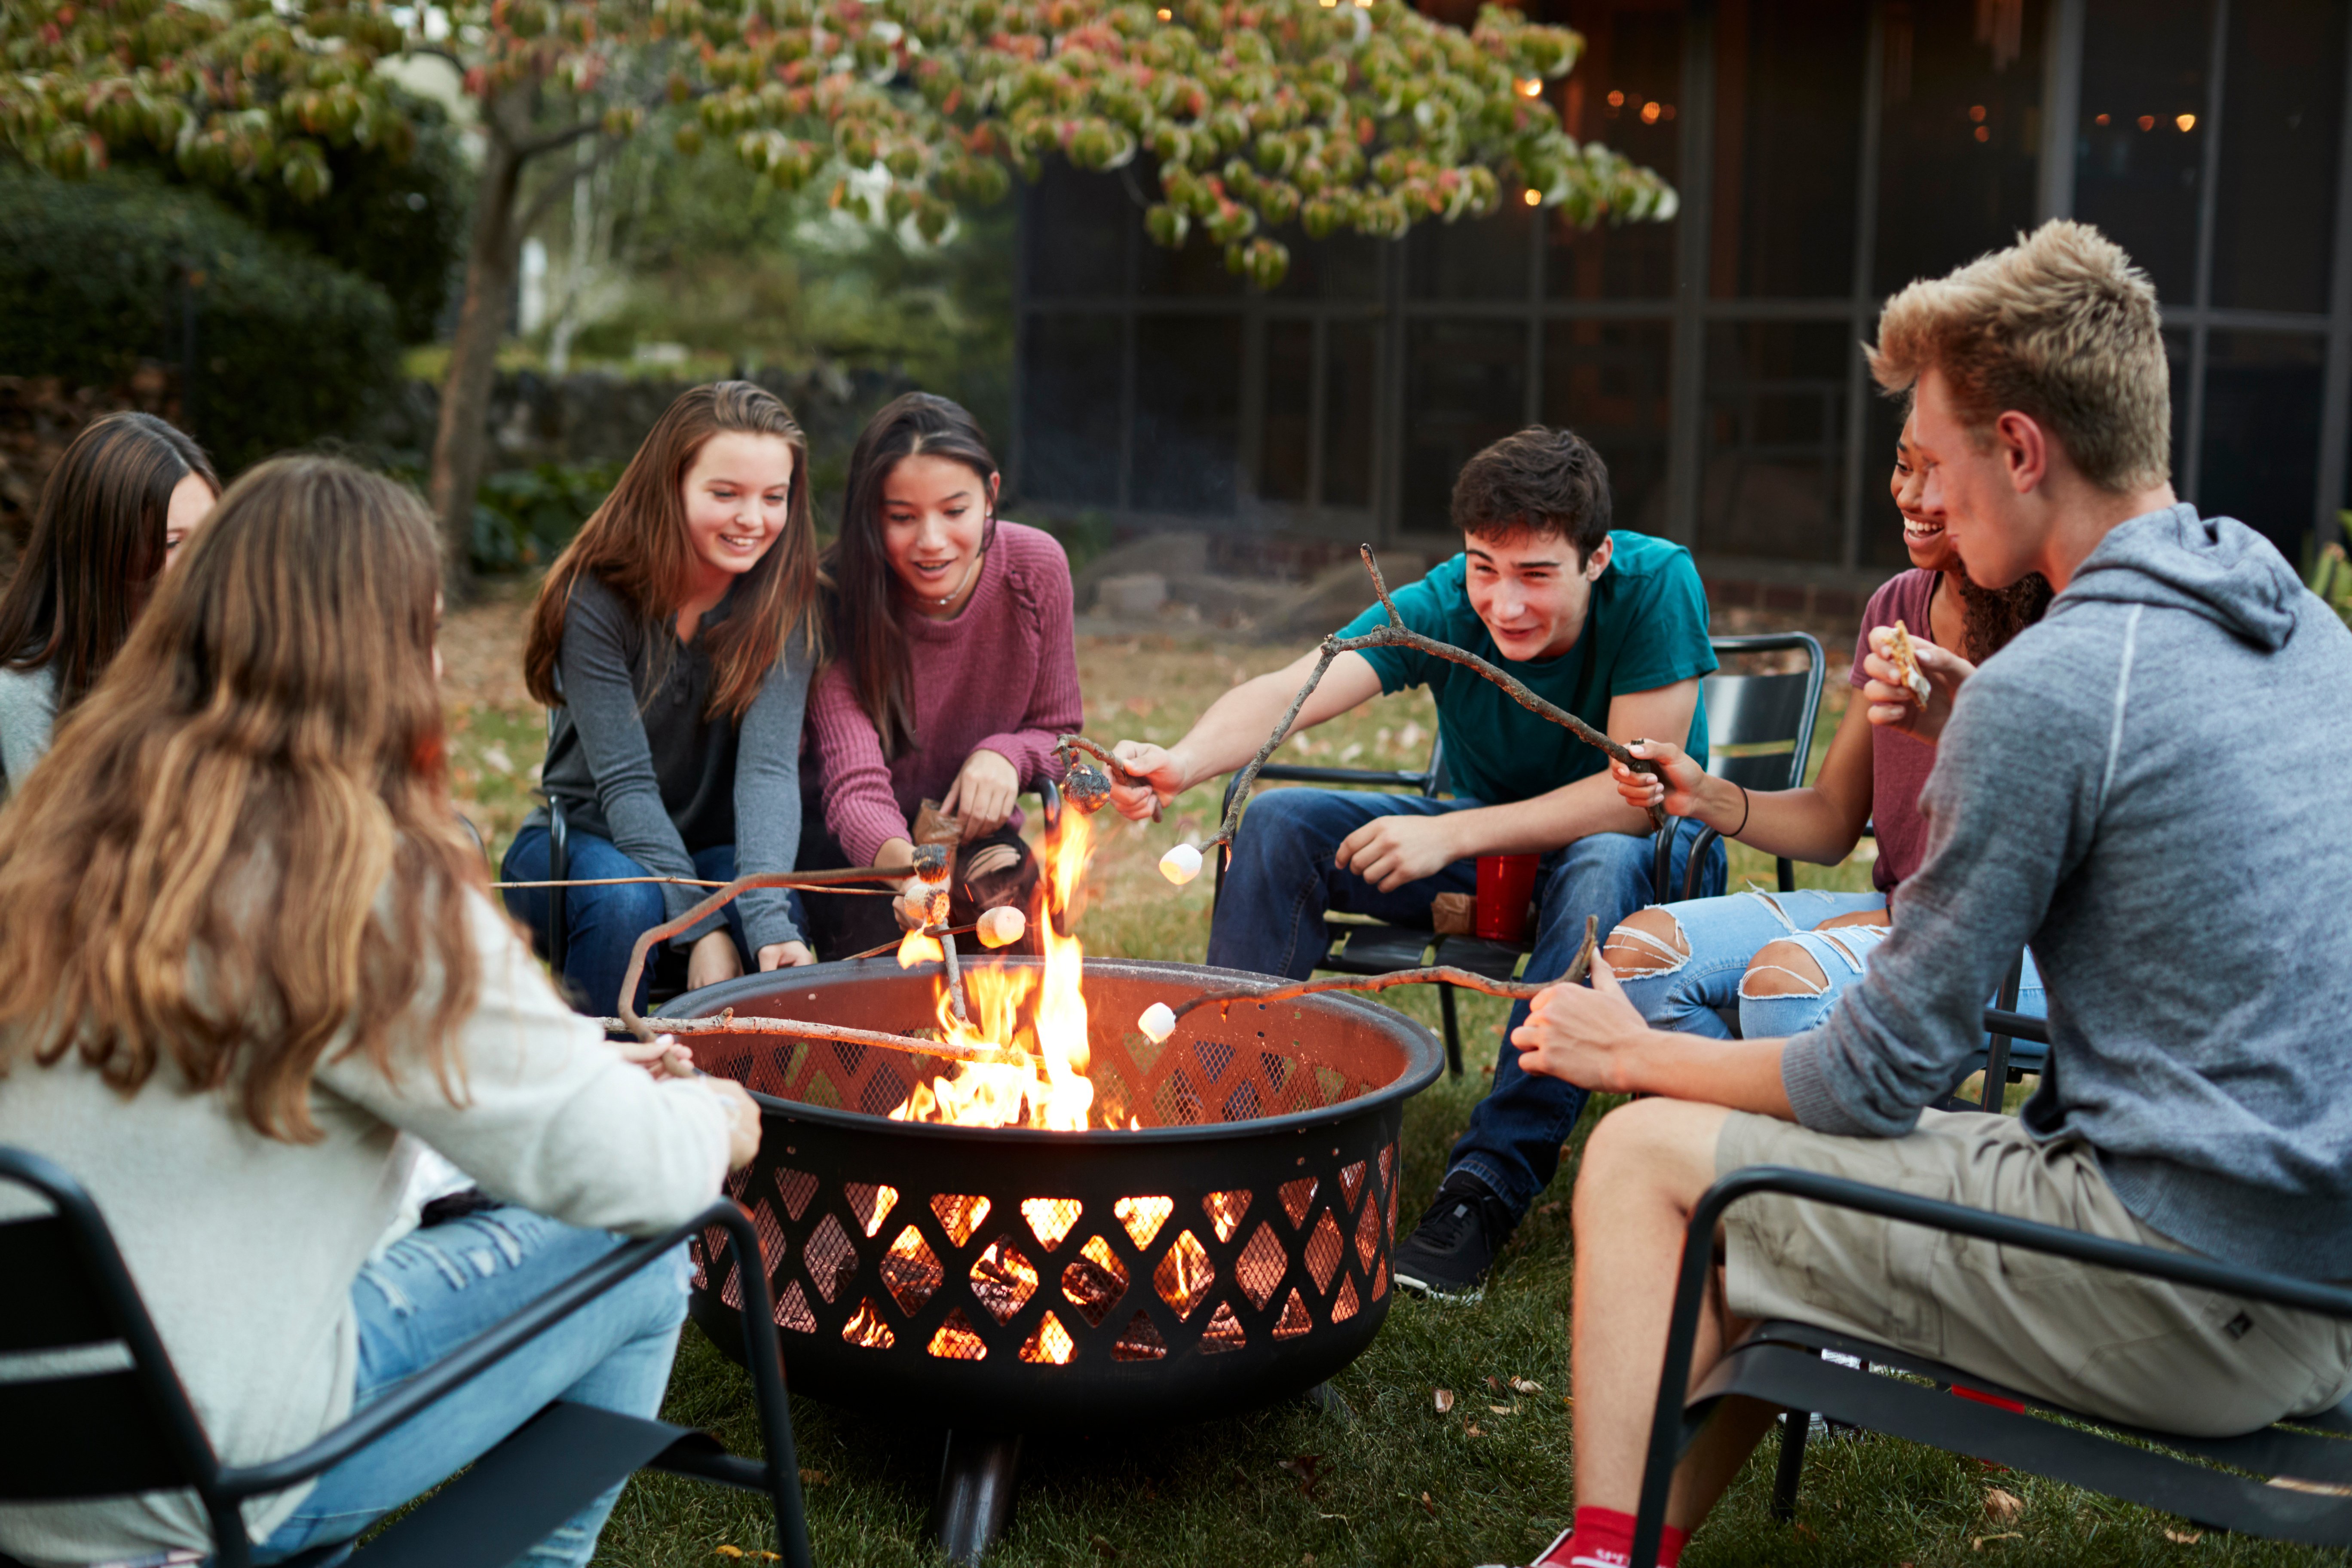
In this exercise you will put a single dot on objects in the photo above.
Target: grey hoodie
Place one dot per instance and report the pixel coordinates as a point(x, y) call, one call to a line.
point(2149, 788)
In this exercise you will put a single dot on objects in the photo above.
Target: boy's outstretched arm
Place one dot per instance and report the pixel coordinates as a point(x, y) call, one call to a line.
point(1235, 726)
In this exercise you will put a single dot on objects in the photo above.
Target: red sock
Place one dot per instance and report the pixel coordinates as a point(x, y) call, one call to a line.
point(1604, 1537)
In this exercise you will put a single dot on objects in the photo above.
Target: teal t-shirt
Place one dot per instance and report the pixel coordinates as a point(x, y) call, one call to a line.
point(1646, 628)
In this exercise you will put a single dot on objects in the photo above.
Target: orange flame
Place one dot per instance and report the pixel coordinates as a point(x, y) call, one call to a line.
point(1039, 1012)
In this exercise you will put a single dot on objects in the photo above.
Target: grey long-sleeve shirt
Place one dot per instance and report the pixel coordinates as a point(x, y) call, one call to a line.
point(635, 758)
point(2148, 788)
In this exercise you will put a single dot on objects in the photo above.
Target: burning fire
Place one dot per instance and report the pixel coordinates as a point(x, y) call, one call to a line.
point(1040, 1012)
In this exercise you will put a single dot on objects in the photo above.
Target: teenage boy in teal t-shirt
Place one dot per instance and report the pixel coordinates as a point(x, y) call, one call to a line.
point(1612, 627)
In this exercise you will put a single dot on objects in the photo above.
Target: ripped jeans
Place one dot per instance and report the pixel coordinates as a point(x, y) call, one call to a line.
point(436, 1289)
point(1690, 993)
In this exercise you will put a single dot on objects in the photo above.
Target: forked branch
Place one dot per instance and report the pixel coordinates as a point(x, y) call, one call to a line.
point(1396, 634)
point(1437, 975)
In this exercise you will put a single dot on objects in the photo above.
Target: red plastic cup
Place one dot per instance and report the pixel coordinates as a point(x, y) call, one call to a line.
point(1507, 887)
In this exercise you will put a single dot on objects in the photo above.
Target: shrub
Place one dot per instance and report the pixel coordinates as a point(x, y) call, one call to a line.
point(523, 517)
point(94, 278)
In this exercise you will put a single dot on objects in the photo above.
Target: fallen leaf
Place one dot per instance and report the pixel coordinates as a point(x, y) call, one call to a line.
point(1104, 1548)
point(1444, 1400)
point(811, 1477)
point(1976, 1544)
point(1308, 1467)
point(2002, 1507)
point(727, 1551)
point(1472, 1430)
point(1427, 1506)
point(1526, 1385)
point(2188, 1538)
point(1489, 1069)
point(1306, 1559)
point(1494, 1383)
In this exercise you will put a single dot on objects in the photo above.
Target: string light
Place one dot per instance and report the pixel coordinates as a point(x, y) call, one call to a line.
point(2186, 121)
point(1533, 198)
point(2147, 123)
point(1650, 113)
point(1531, 87)
point(1616, 100)
point(1984, 134)
point(1977, 112)
point(2102, 120)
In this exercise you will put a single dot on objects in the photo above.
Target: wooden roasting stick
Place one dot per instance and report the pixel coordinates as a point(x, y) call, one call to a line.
point(645, 1029)
point(1396, 634)
point(1442, 974)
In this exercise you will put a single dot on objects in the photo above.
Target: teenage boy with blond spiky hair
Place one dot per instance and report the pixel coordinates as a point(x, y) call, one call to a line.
point(2103, 792)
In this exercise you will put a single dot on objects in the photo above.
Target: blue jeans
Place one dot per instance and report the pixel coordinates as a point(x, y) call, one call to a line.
point(432, 1291)
point(602, 924)
point(1283, 880)
point(1724, 935)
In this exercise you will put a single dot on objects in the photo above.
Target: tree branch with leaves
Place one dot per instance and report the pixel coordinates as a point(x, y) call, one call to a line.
point(1254, 120)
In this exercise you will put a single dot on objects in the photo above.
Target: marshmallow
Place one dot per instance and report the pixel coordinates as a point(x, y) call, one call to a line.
point(1180, 865)
point(1001, 926)
point(1158, 1022)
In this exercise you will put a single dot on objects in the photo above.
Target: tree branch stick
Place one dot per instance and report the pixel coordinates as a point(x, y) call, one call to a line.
point(793, 1028)
point(1396, 634)
point(1439, 974)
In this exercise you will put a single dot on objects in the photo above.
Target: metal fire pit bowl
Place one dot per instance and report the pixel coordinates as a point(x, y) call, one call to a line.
point(1232, 1252)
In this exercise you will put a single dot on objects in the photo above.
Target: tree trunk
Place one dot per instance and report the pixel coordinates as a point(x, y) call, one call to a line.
point(461, 443)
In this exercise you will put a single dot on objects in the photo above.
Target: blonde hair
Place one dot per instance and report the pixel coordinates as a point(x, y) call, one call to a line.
point(198, 870)
point(2060, 327)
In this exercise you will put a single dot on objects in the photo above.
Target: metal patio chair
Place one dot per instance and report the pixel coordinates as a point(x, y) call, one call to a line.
point(120, 1424)
point(1769, 718)
point(2292, 1481)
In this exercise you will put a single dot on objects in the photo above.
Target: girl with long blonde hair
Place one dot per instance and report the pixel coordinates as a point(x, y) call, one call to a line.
point(245, 946)
point(674, 640)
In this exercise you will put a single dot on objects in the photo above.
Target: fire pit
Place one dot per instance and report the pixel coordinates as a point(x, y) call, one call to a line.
point(1216, 1237)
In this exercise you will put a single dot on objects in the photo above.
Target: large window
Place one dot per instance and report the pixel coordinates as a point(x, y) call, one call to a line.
point(1826, 154)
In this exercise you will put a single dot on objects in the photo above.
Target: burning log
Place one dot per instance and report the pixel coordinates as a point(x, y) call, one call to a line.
point(1442, 974)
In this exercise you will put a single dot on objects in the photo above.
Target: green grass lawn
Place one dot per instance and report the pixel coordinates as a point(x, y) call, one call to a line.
point(1387, 1480)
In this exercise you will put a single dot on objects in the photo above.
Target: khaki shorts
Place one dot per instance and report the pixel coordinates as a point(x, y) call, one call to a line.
point(2121, 1346)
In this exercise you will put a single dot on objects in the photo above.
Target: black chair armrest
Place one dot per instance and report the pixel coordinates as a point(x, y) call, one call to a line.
point(496, 1344)
point(2006, 1230)
point(1300, 772)
point(2017, 1026)
point(559, 869)
point(1049, 797)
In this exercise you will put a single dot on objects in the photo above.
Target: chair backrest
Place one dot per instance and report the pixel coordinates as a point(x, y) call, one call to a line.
point(99, 1412)
point(1768, 717)
point(1440, 782)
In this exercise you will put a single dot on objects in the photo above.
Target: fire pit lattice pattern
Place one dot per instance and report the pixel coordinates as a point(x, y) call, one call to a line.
point(1050, 1281)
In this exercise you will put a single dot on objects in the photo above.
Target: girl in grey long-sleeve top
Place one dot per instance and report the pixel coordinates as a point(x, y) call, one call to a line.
point(674, 640)
point(123, 495)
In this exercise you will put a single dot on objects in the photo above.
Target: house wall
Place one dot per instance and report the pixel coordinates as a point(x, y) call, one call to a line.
point(1825, 153)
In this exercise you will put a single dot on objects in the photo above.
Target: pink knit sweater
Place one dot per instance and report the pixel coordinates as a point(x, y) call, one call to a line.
point(1002, 674)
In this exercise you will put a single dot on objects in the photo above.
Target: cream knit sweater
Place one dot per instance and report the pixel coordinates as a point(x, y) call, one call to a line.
point(246, 1248)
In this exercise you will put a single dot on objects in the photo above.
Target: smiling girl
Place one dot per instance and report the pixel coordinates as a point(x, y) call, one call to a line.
point(1780, 959)
point(674, 639)
point(957, 669)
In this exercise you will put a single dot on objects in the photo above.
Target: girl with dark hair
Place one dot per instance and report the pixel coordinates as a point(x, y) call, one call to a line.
point(1781, 960)
point(957, 669)
point(674, 640)
point(126, 494)
point(247, 961)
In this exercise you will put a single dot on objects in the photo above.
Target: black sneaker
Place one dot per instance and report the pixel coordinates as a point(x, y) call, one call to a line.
point(1448, 1254)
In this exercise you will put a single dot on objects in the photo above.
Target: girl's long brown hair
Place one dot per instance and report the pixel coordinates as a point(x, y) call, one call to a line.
point(866, 591)
point(96, 547)
point(240, 853)
point(636, 544)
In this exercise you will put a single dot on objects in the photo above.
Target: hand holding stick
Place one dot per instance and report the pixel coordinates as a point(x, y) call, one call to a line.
point(1396, 634)
point(1084, 791)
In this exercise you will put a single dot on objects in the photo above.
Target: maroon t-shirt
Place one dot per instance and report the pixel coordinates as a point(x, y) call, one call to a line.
point(1899, 764)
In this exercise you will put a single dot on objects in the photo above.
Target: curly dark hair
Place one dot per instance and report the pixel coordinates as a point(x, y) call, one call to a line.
point(1992, 616)
point(1539, 480)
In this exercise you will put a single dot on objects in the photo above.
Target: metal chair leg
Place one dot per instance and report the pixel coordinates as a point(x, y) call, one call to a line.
point(1453, 1030)
point(1797, 1425)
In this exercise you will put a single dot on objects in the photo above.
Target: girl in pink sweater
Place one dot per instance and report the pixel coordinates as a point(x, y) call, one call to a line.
point(956, 669)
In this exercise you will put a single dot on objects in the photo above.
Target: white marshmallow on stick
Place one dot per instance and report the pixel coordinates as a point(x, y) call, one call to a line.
point(1159, 1022)
point(1001, 926)
point(1180, 865)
